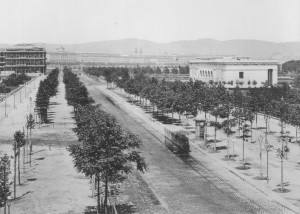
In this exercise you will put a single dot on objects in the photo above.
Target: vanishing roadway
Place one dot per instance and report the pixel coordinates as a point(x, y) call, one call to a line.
point(181, 185)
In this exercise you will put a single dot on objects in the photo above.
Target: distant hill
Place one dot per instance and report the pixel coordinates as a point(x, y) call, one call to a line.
point(253, 48)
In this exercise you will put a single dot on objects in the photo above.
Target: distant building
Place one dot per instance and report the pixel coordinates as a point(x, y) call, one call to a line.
point(62, 57)
point(107, 59)
point(233, 69)
point(23, 58)
point(2, 60)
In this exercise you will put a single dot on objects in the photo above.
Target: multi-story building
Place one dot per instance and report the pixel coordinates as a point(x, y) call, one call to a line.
point(231, 69)
point(2, 60)
point(24, 58)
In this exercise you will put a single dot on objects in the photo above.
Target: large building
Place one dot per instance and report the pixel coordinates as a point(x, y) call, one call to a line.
point(234, 69)
point(23, 58)
point(2, 60)
point(62, 57)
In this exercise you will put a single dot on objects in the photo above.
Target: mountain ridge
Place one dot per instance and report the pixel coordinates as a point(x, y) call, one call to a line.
point(206, 46)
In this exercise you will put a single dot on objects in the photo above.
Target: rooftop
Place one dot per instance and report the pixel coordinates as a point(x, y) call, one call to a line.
point(230, 60)
point(24, 46)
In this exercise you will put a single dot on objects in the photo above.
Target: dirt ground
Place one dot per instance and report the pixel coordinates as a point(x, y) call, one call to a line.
point(51, 184)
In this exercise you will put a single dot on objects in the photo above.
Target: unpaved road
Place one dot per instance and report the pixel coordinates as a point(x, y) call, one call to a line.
point(179, 187)
point(51, 185)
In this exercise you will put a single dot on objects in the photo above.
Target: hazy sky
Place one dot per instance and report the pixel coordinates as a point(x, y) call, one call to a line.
point(75, 21)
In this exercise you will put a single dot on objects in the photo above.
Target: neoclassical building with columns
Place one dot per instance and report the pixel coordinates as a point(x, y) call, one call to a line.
point(233, 69)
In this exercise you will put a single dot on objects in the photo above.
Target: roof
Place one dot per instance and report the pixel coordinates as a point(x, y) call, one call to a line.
point(228, 60)
point(24, 47)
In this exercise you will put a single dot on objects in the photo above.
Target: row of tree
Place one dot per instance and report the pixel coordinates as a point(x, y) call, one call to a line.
point(76, 92)
point(236, 107)
point(13, 80)
point(292, 66)
point(16, 79)
point(213, 97)
point(19, 144)
point(46, 90)
point(105, 151)
point(138, 70)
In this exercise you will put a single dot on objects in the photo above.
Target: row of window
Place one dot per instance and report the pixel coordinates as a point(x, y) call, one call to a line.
point(206, 73)
point(25, 55)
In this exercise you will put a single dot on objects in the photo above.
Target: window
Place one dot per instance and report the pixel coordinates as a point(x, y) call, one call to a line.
point(241, 75)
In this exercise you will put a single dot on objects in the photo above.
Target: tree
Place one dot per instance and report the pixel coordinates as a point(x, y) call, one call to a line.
point(296, 81)
point(228, 123)
point(281, 154)
point(158, 70)
point(4, 180)
point(19, 138)
point(174, 71)
point(47, 89)
point(30, 123)
point(218, 111)
point(166, 70)
point(245, 128)
point(106, 149)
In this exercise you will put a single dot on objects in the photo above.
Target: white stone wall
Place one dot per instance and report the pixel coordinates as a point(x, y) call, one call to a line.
point(230, 72)
point(259, 73)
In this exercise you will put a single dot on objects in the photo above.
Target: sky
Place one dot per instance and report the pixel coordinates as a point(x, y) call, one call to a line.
point(80, 21)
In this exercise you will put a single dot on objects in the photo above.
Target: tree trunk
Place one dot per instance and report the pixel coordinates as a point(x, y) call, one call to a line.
point(239, 126)
point(266, 133)
point(172, 116)
point(24, 154)
point(228, 130)
point(26, 144)
point(281, 166)
point(205, 129)
point(256, 119)
point(4, 187)
point(98, 194)
point(296, 134)
point(30, 149)
point(251, 131)
point(243, 148)
point(216, 134)
point(260, 158)
point(15, 169)
point(106, 193)
point(19, 176)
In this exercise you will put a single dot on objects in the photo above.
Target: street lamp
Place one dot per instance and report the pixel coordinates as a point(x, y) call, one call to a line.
point(8, 201)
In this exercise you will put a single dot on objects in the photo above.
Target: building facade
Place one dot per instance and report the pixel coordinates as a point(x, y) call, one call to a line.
point(231, 69)
point(23, 58)
point(62, 57)
point(2, 60)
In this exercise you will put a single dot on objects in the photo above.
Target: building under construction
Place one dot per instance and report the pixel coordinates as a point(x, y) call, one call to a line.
point(23, 58)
